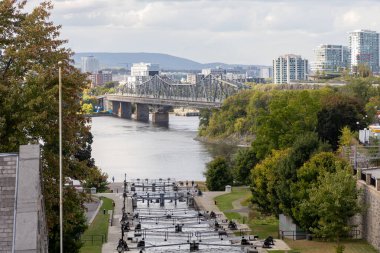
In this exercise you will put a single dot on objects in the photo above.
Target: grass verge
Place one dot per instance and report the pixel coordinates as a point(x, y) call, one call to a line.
point(97, 228)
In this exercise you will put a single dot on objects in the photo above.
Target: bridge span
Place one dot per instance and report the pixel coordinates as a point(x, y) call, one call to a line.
point(161, 94)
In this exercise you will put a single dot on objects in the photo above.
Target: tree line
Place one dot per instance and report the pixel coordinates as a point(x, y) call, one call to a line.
point(293, 164)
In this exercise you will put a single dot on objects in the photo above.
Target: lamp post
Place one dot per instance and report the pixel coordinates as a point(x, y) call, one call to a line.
point(60, 159)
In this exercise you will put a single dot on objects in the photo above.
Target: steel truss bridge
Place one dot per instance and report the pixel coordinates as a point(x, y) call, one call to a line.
point(161, 90)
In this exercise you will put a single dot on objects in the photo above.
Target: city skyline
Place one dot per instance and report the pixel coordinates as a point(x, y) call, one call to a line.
point(239, 31)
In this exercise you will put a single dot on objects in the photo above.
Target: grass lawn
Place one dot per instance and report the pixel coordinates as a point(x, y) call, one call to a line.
point(98, 227)
point(224, 202)
point(261, 225)
point(351, 246)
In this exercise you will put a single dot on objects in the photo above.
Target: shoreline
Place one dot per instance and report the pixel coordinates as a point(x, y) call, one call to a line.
point(238, 142)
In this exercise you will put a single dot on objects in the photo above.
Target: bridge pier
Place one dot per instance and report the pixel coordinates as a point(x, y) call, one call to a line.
point(160, 118)
point(142, 112)
point(125, 110)
point(105, 104)
point(122, 109)
point(116, 108)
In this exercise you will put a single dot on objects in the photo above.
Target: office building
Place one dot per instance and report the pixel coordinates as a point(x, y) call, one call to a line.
point(289, 68)
point(364, 47)
point(89, 64)
point(330, 58)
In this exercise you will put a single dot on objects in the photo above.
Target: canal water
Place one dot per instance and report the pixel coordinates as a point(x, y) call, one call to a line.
point(143, 150)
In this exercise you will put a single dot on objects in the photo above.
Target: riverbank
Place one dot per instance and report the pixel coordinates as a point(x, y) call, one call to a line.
point(232, 140)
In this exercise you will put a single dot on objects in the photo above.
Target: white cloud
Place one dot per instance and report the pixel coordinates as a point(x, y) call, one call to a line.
point(240, 31)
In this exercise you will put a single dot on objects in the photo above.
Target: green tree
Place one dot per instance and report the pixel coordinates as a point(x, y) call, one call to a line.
point(307, 176)
point(264, 178)
point(96, 179)
point(204, 119)
point(290, 114)
point(218, 174)
point(222, 124)
point(244, 161)
point(371, 109)
point(303, 148)
point(333, 200)
point(337, 112)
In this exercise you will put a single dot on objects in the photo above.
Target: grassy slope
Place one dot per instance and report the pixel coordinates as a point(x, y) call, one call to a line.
point(98, 227)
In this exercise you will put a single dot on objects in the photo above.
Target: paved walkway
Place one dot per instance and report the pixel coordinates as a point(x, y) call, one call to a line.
point(206, 202)
point(92, 210)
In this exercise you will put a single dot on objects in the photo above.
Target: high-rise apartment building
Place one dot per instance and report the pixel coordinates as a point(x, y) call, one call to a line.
point(364, 47)
point(289, 68)
point(90, 64)
point(330, 58)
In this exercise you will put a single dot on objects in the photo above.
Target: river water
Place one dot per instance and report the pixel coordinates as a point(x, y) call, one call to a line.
point(143, 150)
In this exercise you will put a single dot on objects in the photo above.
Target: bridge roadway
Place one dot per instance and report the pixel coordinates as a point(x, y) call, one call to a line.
point(180, 102)
point(122, 106)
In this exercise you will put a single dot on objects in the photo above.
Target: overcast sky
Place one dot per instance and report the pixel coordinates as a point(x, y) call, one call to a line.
point(230, 31)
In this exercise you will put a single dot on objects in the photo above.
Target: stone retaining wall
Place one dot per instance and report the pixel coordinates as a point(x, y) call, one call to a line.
point(369, 222)
point(8, 165)
point(22, 212)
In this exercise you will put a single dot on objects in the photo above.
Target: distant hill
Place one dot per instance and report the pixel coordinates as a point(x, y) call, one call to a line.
point(167, 62)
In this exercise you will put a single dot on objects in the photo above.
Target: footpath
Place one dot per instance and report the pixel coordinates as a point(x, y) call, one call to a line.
point(114, 231)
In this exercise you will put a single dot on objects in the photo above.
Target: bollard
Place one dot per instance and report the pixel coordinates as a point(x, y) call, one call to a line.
point(104, 211)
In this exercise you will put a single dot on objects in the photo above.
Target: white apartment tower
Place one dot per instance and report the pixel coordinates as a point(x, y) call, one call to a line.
point(90, 64)
point(330, 58)
point(289, 68)
point(364, 47)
